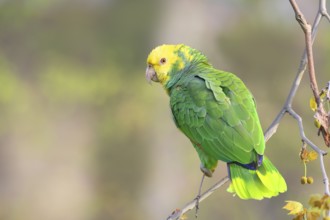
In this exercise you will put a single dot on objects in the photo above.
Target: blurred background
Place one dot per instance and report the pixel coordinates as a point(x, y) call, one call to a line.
point(83, 136)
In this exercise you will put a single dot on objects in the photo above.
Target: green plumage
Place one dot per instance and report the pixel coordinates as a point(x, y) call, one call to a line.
point(216, 111)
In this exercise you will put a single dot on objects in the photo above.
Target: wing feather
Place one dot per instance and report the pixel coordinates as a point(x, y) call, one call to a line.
point(218, 112)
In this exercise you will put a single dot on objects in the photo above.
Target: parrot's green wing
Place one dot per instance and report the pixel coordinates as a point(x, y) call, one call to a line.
point(218, 114)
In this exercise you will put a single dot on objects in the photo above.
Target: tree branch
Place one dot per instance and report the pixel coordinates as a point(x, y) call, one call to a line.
point(309, 50)
point(179, 212)
point(321, 114)
point(271, 130)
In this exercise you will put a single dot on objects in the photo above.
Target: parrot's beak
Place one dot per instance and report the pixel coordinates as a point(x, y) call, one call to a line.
point(151, 74)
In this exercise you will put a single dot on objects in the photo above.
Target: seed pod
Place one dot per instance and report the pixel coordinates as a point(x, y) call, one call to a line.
point(310, 180)
point(303, 180)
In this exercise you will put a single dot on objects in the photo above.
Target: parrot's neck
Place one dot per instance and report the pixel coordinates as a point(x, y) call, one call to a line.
point(174, 79)
point(189, 71)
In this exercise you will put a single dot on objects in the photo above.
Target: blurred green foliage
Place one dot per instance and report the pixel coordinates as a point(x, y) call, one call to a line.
point(63, 59)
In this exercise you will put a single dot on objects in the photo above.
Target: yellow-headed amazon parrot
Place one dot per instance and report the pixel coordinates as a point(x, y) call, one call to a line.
point(216, 111)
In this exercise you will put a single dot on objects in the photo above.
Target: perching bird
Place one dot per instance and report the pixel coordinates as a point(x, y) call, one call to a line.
point(216, 111)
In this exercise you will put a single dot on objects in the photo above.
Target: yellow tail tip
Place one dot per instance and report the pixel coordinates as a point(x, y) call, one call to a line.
point(265, 182)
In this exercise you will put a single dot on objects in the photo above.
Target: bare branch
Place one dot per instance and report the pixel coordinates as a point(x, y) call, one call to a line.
point(320, 115)
point(302, 133)
point(179, 212)
point(309, 49)
point(325, 177)
point(271, 130)
point(323, 9)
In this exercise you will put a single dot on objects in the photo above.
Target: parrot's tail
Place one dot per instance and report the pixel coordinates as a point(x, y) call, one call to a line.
point(265, 182)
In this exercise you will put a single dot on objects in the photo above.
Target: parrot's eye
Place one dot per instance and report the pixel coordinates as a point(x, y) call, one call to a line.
point(162, 61)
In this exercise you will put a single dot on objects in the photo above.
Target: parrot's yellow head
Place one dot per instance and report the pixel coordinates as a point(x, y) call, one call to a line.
point(165, 61)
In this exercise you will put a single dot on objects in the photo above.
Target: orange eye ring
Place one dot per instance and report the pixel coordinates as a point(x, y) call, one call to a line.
point(162, 61)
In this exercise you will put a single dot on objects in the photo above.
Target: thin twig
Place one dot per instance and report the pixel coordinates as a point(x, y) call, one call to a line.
point(309, 49)
point(323, 9)
point(325, 177)
point(302, 133)
point(179, 212)
point(271, 130)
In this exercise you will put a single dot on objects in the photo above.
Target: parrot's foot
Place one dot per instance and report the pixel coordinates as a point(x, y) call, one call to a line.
point(206, 171)
point(198, 197)
point(197, 205)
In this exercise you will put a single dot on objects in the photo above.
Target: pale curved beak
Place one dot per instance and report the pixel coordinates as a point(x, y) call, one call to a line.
point(151, 74)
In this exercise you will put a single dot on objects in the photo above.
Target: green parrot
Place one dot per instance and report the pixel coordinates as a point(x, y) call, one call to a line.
point(216, 111)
